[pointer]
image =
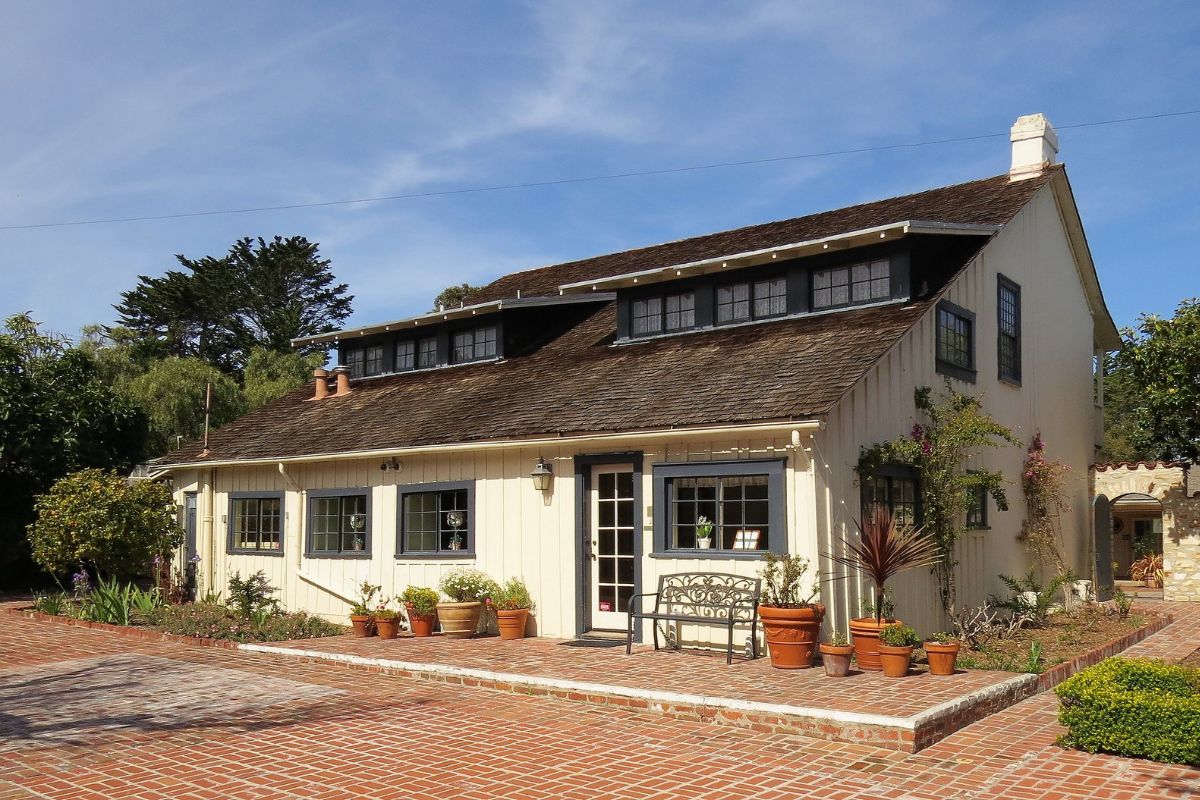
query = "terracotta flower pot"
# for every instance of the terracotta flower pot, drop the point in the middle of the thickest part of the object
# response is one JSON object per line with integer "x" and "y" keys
{"x": 460, "y": 620}
{"x": 941, "y": 657}
{"x": 836, "y": 660}
{"x": 387, "y": 628}
{"x": 511, "y": 622}
{"x": 895, "y": 660}
{"x": 420, "y": 624}
{"x": 865, "y": 633}
{"x": 362, "y": 625}
{"x": 792, "y": 634}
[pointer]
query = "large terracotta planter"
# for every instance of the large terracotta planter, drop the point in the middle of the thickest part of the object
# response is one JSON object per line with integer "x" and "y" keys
{"x": 361, "y": 625}
{"x": 511, "y": 622}
{"x": 420, "y": 624}
{"x": 941, "y": 657}
{"x": 792, "y": 634}
{"x": 895, "y": 660}
{"x": 460, "y": 620}
{"x": 387, "y": 628}
{"x": 865, "y": 633}
{"x": 836, "y": 660}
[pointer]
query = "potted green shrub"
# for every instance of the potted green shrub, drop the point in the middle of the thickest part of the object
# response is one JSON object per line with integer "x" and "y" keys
{"x": 882, "y": 550}
{"x": 836, "y": 654}
{"x": 896, "y": 643}
{"x": 466, "y": 589}
{"x": 791, "y": 619}
{"x": 704, "y": 531}
{"x": 362, "y": 608}
{"x": 511, "y": 603}
{"x": 421, "y": 603}
{"x": 387, "y": 620}
{"x": 941, "y": 650}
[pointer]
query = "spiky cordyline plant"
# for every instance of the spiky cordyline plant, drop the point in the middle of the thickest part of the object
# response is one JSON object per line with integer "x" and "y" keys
{"x": 884, "y": 550}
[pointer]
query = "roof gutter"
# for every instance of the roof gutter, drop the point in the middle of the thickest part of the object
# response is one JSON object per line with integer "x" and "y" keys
{"x": 808, "y": 426}
{"x": 857, "y": 238}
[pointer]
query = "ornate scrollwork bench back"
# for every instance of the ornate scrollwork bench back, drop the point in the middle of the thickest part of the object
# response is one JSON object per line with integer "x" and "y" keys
{"x": 701, "y": 597}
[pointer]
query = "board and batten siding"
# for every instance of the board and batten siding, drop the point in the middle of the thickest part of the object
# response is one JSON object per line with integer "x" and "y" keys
{"x": 1055, "y": 397}
{"x": 518, "y": 530}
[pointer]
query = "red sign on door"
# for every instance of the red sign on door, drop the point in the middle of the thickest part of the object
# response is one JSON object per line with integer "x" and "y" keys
{"x": 606, "y": 605}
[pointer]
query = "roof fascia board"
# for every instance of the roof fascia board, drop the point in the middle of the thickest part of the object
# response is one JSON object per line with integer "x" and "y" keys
{"x": 764, "y": 255}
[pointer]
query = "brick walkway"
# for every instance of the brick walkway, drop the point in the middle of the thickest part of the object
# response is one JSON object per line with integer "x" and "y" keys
{"x": 86, "y": 714}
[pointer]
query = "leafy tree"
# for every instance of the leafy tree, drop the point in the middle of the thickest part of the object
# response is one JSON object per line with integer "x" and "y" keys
{"x": 956, "y": 427}
{"x": 271, "y": 374}
{"x": 1159, "y": 369}
{"x": 172, "y": 394}
{"x": 1121, "y": 427}
{"x": 454, "y": 295}
{"x": 260, "y": 294}
{"x": 98, "y": 519}
{"x": 56, "y": 415}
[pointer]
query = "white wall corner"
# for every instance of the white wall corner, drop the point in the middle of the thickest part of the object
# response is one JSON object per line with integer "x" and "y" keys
{"x": 1034, "y": 146}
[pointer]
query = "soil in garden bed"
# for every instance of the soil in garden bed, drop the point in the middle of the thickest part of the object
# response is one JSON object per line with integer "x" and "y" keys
{"x": 1193, "y": 660}
{"x": 1064, "y": 636}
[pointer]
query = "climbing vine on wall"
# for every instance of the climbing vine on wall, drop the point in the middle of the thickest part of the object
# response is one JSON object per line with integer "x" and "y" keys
{"x": 1043, "y": 482}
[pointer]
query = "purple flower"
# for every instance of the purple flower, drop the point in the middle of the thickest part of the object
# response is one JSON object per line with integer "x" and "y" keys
{"x": 926, "y": 447}
{"x": 157, "y": 561}
{"x": 918, "y": 433}
{"x": 195, "y": 559}
{"x": 81, "y": 582}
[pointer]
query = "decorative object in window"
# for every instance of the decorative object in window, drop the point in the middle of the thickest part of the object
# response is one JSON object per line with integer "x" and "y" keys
{"x": 338, "y": 524}
{"x": 955, "y": 342}
{"x": 255, "y": 523}
{"x": 437, "y": 521}
{"x": 1008, "y": 344}
{"x": 852, "y": 284}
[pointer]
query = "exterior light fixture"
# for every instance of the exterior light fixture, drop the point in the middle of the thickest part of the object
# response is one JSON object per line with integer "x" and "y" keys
{"x": 542, "y": 475}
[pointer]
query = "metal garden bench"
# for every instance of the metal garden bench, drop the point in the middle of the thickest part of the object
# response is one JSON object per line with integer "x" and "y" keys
{"x": 706, "y": 598}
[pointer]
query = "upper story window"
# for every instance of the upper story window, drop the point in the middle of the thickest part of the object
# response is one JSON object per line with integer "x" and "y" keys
{"x": 256, "y": 523}
{"x": 1008, "y": 343}
{"x": 852, "y": 284}
{"x": 895, "y": 489}
{"x": 977, "y": 511}
{"x": 373, "y": 360}
{"x": 356, "y": 360}
{"x": 475, "y": 344}
{"x": 955, "y": 341}
{"x": 427, "y": 352}
{"x": 741, "y": 302}
{"x": 672, "y": 312}
{"x": 406, "y": 355}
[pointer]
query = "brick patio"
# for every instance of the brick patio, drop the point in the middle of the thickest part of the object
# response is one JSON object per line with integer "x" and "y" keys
{"x": 152, "y": 720}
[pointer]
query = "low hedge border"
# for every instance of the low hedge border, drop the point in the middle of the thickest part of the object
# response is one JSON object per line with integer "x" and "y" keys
{"x": 128, "y": 632}
{"x": 1134, "y": 707}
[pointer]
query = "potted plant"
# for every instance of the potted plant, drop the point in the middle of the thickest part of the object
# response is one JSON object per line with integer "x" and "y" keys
{"x": 882, "y": 550}
{"x": 941, "y": 650}
{"x": 360, "y": 610}
{"x": 1148, "y": 569}
{"x": 790, "y": 618}
{"x": 511, "y": 603}
{"x": 421, "y": 604}
{"x": 387, "y": 621}
{"x": 704, "y": 531}
{"x": 466, "y": 589}
{"x": 896, "y": 643}
{"x": 835, "y": 655}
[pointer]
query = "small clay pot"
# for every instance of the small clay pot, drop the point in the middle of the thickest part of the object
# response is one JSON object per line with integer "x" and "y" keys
{"x": 511, "y": 622}
{"x": 387, "y": 628}
{"x": 836, "y": 660}
{"x": 941, "y": 657}
{"x": 895, "y": 660}
{"x": 792, "y": 634}
{"x": 421, "y": 624}
{"x": 362, "y": 624}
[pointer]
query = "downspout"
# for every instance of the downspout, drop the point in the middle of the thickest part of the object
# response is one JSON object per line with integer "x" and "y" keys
{"x": 298, "y": 547}
{"x": 207, "y": 528}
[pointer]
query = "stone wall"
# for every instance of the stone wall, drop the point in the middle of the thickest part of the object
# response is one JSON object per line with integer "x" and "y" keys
{"x": 1168, "y": 483}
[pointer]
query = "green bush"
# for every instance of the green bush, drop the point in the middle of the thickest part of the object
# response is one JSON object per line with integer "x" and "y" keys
{"x": 1144, "y": 709}
{"x": 253, "y": 595}
{"x": 214, "y": 621}
{"x": 899, "y": 636}
{"x": 466, "y": 585}
{"x": 422, "y": 600}
{"x": 512, "y": 595}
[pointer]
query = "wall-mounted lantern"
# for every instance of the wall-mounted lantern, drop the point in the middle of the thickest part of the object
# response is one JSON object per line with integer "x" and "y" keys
{"x": 542, "y": 475}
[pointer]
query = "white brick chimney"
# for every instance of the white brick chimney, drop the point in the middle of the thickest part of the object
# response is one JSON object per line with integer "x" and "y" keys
{"x": 1034, "y": 146}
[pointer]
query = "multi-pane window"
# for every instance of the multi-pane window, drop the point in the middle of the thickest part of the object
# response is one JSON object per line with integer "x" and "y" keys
{"x": 1008, "y": 296}
{"x": 373, "y": 360}
{"x": 646, "y": 316}
{"x": 255, "y": 523}
{"x": 740, "y": 302}
{"x": 435, "y": 521}
{"x": 852, "y": 284}
{"x": 955, "y": 341}
{"x": 680, "y": 311}
{"x": 475, "y": 344}
{"x": 338, "y": 524}
{"x": 406, "y": 355}
{"x": 355, "y": 359}
{"x": 896, "y": 493}
{"x": 736, "y": 506}
{"x": 427, "y": 352}
{"x": 977, "y": 511}
{"x": 673, "y": 312}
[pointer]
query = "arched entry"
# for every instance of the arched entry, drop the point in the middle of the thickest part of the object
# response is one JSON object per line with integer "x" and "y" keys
{"x": 1137, "y": 531}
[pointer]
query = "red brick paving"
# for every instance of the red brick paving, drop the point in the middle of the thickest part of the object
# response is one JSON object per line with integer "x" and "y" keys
{"x": 378, "y": 736}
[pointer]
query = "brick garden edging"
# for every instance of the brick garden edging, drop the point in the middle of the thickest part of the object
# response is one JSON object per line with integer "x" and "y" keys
{"x": 1060, "y": 672}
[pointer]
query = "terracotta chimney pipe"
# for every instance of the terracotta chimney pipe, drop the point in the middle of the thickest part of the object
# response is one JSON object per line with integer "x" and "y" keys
{"x": 320, "y": 384}
{"x": 343, "y": 381}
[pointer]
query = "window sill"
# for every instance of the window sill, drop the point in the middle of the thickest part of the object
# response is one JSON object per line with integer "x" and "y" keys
{"x": 1013, "y": 382}
{"x": 232, "y": 551}
{"x": 453, "y": 555}
{"x": 363, "y": 555}
{"x": 714, "y": 555}
{"x": 956, "y": 372}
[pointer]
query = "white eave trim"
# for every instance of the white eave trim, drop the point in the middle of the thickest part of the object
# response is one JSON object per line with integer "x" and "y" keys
{"x": 840, "y": 241}
{"x": 459, "y": 312}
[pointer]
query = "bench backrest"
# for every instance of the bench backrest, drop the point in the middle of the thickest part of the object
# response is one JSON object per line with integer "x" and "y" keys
{"x": 708, "y": 594}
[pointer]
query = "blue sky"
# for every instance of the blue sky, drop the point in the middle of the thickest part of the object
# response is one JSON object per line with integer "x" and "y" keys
{"x": 126, "y": 109}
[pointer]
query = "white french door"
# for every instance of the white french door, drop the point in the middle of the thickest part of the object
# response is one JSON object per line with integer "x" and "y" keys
{"x": 611, "y": 541}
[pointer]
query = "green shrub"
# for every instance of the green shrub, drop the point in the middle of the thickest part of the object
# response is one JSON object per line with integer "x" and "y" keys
{"x": 252, "y": 595}
{"x": 109, "y": 602}
{"x": 513, "y": 594}
{"x": 1144, "y": 709}
{"x": 899, "y": 636}
{"x": 466, "y": 585}
{"x": 213, "y": 621}
{"x": 423, "y": 601}
{"x": 54, "y": 603}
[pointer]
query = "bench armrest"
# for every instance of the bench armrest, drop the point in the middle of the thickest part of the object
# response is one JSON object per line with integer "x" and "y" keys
{"x": 633, "y": 599}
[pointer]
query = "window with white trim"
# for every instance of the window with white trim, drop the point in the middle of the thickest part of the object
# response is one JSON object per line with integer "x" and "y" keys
{"x": 852, "y": 284}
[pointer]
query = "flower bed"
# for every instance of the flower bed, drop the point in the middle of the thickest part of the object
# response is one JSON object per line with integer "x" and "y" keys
{"x": 212, "y": 621}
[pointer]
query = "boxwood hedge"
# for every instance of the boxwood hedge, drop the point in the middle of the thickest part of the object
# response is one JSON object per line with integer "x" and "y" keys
{"x": 1133, "y": 707}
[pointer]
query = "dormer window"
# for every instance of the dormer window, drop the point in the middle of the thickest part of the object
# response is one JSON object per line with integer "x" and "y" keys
{"x": 742, "y": 302}
{"x": 406, "y": 355}
{"x": 474, "y": 344}
{"x": 673, "y": 312}
{"x": 852, "y": 284}
{"x": 355, "y": 359}
{"x": 373, "y": 360}
{"x": 427, "y": 352}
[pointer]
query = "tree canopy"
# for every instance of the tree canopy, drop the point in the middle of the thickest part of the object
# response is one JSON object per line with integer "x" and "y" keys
{"x": 453, "y": 295}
